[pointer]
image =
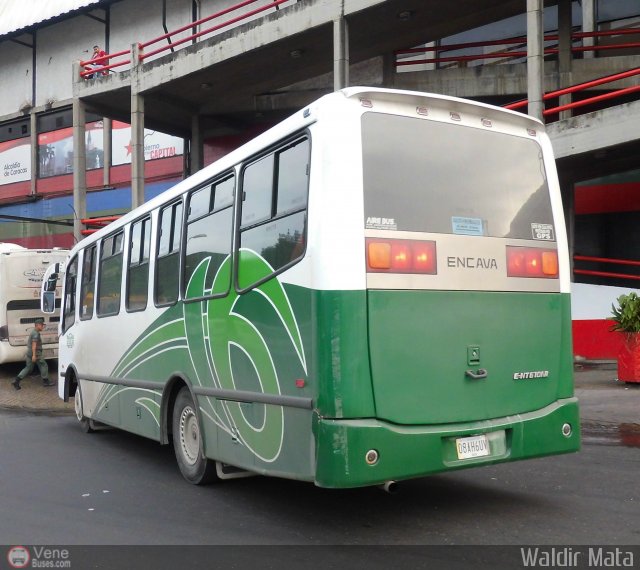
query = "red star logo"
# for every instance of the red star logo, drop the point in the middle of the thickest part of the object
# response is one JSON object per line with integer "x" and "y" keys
{"x": 128, "y": 147}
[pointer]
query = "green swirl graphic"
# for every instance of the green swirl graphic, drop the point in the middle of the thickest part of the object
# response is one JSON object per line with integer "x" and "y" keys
{"x": 213, "y": 327}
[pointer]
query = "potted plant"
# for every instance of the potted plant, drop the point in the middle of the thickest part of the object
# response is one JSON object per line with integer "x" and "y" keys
{"x": 626, "y": 319}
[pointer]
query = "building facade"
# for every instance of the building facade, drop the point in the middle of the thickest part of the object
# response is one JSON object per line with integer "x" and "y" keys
{"x": 188, "y": 80}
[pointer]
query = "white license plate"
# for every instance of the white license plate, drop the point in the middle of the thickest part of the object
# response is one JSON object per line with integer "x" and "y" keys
{"x": 474, "y": 446}
{"x": 50, "y": 353}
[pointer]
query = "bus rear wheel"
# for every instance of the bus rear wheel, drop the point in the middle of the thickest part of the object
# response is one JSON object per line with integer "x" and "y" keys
{"x": 187, "y": 442}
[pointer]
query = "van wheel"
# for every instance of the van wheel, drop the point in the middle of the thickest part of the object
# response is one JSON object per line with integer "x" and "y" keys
{"x": 187, "y": 442}
{"x": 85, "y": 423}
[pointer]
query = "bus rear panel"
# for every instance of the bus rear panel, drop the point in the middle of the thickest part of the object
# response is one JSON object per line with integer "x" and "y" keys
{"x": 467, "y": 310}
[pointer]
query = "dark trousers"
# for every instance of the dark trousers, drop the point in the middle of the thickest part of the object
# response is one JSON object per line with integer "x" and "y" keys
{"x": 40, "y": 362}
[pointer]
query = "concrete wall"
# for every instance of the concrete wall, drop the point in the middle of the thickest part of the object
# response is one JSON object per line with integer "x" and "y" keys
{"x": 59, "y": 45}
{"x": 57, "y": 48}
{"x": 15, "y": 76}
{"x": 141, "y": 20}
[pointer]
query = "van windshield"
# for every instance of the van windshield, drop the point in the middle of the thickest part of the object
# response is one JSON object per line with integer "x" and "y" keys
{"x": 428, "y": 176}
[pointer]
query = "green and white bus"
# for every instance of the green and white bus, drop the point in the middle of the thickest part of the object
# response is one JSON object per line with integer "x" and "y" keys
{"x": 375, "y": 289}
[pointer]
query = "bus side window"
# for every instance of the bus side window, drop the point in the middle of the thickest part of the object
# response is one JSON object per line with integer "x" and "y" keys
{"x": 110, "y": 275}
{"x": 69, "y": 307}
{"x": 138, "y": 271}
{"x": 168, "y": 260}
{"x": 274, "y": 213}
{"x": 88, "y": 281}
{"x": 209, "y": 227}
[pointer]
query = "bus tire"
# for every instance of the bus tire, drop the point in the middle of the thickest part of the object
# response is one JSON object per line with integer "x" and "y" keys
{"x": 187, "y": 442}
{"x": 85, "y": 423}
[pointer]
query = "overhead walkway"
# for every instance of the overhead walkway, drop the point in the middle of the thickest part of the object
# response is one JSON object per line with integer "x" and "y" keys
{"x": 248, "y": 54}
{"x": 236, "y": 67}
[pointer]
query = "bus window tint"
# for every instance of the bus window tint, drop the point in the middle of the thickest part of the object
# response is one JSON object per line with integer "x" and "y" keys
{"x": 69, "y": 309}
{"x": 138, "y": 276}
{"x": 258, "y": 191}
{"x": 280, "y": 238}
{"x": 446, "y": 178}
{"x": 279, "y": 242}
{"x": 168, "y": 262}
{"x": 110, "y": 276}
{"x": 292, "y": 177}
{"x": 87, "y": 287}
{"x": 199, "y": 203}
{"x": 209, "y": 236}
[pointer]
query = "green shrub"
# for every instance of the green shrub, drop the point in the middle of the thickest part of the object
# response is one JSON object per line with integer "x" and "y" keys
{"x": 626, "y": 316}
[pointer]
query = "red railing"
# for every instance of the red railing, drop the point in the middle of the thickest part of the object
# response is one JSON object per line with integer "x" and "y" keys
{"x": 606, "y": 273}
{"x": 95, "y": 224}
{"x": 93, "y": 67}
{"x": 273, "y": 4}
{"x": 510, "y": 54}
{"x": 97, "y": 69}
{"x": 581, "y": 87}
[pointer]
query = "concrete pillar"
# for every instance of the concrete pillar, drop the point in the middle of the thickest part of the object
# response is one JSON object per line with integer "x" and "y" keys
{"x": 589, "y": 22}
{"x": 567, "y": 190}
{"x": 535, "y": 57}
{"x": 196, "y": 147}
{"x": 108, "y": 150}
{"x": 389, "y": 70}
{"x": 33, "y": 129}
{"x": 340, "y": 54}
{"x": 79, "y": 167}
{"x": 137, "y": 133}
{"x": 564, "y": 57}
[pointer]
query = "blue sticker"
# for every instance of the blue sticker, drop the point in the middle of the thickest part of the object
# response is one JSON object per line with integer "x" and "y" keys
{"x": 467, "y": 226}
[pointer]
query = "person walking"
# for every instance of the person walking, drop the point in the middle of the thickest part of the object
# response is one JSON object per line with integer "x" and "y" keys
{"x": 34, "y": 357}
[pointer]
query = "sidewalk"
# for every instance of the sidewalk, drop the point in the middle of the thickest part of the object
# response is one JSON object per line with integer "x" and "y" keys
{"x": 605, "y": 403}
{"x": 33, "y": 397}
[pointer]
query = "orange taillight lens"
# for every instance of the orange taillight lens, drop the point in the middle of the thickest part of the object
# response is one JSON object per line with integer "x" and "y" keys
{"x": 550, "y": 263}
{"x": 401, "y": 256}
{"x": 379, "y": 255}
{"x": 532, "y": 262}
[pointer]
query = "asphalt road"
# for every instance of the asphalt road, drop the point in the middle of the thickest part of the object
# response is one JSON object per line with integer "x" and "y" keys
{"x": 62, "y": 486}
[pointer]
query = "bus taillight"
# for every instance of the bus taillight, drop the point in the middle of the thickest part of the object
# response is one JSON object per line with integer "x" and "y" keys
{"x": 401, "y": 256}
{"x": 532, "y": 262}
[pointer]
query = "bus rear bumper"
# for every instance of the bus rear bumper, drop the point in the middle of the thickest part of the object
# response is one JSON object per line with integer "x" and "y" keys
{"x": 413, "y": 451}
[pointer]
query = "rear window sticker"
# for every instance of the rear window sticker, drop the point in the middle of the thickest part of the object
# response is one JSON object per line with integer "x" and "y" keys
{"x": 375, "y": 223}
{"x": 467, "y": 226}
{"x": 542, "y": 232}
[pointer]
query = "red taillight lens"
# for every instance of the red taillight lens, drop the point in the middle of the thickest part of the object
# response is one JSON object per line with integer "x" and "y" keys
{"x": 401, "y": 256}
{"x": 532, "y": 262}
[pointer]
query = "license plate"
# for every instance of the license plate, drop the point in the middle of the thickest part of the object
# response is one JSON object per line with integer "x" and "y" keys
{"x": 474, "y": 446}
{"x": 50, "y": 353}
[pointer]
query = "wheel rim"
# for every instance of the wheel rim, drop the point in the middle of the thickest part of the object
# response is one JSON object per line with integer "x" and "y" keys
{"x": 189, "y": 435}
{"x": 77, "y": 404}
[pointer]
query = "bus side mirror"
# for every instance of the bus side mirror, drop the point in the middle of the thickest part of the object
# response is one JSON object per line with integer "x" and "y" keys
{"x": 51, "y": 284}
{"x": 48, "y": 291}
{"x": 48, "y": 302}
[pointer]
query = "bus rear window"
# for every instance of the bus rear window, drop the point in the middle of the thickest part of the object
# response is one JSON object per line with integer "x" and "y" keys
{"x": 427, "y": 176}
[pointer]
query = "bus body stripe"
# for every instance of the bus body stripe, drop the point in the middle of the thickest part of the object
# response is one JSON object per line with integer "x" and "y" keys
{"x": 218, "y": 393}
